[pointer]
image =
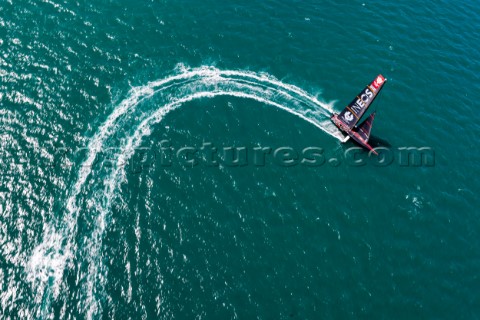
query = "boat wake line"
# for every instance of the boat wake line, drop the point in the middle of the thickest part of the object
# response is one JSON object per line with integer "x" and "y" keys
{"x": 93, "y": 192}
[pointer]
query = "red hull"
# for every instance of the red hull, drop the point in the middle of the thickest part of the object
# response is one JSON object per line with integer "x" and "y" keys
{"x": 354, "y": 135}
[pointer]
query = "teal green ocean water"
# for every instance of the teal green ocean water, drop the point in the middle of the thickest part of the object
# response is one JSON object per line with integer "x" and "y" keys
{"x": 99, "y": 218}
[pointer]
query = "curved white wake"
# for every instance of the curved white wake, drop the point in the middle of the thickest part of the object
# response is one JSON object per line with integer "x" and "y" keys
{"x": 130, "y": 122}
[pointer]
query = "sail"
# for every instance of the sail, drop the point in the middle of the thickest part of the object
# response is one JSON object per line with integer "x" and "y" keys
{"x": 365, "y": 127}
{"x": 355, "y": 110}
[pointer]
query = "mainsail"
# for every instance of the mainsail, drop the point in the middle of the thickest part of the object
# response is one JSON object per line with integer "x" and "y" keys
{"x": 355, "y": 110}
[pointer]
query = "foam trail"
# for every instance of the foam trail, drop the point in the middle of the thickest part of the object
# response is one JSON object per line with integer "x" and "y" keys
{"x": 156, "y": 117}
{"x": 128, "y": 150}
{"x": 58, "y": 248}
